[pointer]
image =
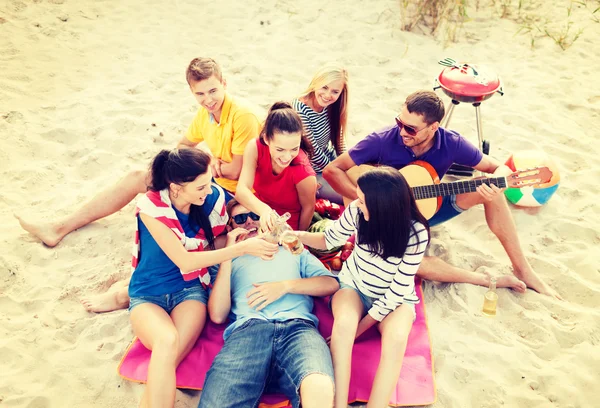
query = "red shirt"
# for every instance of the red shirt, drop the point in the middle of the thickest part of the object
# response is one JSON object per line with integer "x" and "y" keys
{"x": 279, "y": 191}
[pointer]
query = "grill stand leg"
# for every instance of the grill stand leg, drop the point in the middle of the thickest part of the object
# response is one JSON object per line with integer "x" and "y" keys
{"x": 482, "y": 143}
{"x": 456, "y": 169}
{"x": 479, "y": 127}
{"x": 446, "y": 120}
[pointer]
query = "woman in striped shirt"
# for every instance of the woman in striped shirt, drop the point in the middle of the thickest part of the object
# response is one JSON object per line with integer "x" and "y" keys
{"x": 377, "y": 280}
{"x": 323, "y": 110}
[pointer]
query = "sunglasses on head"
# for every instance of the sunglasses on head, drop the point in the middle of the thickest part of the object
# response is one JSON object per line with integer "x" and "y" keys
{"x": 241, "y": 218}
{"x": 408, "y": 129}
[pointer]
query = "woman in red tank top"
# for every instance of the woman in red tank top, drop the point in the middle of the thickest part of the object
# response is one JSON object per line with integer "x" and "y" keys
{"x": 278, "y": 168}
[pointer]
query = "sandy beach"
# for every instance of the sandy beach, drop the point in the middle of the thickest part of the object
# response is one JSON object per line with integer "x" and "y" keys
{"x": 92, "y": 89}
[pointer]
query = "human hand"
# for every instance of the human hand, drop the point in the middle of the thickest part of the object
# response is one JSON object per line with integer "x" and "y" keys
{"x": 267, "y": 220}
{"x": 489, "y": 192}
{"x": 215, "y": 165}
{"x": 257, "y": 246}
{"x": 264, "y": 294}
{"x": 236, "y": 235}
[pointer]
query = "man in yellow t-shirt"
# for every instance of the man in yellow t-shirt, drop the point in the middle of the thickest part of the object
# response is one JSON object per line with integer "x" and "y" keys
{"x": 223, "y": 123}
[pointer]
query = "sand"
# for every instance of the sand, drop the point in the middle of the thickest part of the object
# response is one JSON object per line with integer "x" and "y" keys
{"x": 92, "y": 89}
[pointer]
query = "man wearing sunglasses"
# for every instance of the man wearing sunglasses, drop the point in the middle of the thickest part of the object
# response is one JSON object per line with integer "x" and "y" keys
{"x": 271, "y": 343}
{"x": 242, "y": 218}
{"x": 417, "y": 135}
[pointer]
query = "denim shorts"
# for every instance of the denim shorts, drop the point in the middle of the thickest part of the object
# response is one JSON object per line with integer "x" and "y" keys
{"x": 367, "y": 301}
{"x": 170, "y": 301}
{"x": 264, "y": 356}
{"x": 447, "y": 211}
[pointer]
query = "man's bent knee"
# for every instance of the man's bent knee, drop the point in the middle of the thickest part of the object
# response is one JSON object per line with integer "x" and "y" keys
{"x": 316, "y": 390}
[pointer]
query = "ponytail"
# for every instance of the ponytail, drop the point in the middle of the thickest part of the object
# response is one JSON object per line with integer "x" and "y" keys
{"x": 179, "y": 166}
{"x": 158, "y": 171}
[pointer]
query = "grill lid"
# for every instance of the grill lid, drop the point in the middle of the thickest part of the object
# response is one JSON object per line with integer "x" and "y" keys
{"x": 469, "y": 80}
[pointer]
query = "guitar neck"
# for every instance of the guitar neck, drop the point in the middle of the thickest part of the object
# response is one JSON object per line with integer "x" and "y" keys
{"x": 457, "y": 187}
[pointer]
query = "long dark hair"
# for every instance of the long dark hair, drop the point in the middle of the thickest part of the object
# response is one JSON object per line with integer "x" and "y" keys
{"x": 283, "y": 118}
{"x": 392, "y": 210}
{"x": 183, "y": 166}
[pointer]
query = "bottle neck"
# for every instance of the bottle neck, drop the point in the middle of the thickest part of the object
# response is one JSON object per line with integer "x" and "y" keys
{"x": 492, "y": 285}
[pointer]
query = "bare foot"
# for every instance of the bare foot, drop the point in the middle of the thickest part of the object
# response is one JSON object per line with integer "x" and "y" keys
{"x": 533, "y": 281}
{"x": 47, "y": 233}
{"x": 508, "y": 281}
{"x": 107, "y": 302}
{"x": 512, "y": 282}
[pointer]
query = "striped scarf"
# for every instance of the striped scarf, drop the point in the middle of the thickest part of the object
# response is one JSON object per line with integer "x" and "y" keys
{"x": 157, "y": 205}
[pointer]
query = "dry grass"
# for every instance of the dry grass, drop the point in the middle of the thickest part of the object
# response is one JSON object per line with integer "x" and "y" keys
{"x": 444, "y": 19}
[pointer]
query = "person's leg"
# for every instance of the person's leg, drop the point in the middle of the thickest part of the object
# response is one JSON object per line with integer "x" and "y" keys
{"x": 189, "y": 317}
{"x": 501, "y": 223}
{"x": 394, "y": 329}
{"x": 102, "y": 205}
{"x": 317, "y": 391}
{"x": 117, "y": 297}
{"x": 347, "y": 311}
{"x": 327, "y": 192}
{"x": 303, "y": 365}
{"x": 156, "y": 331}
{"x": 435, "y": 269}
{"x": 238, "y": 374}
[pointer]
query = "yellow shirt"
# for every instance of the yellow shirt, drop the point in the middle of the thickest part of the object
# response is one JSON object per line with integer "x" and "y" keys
{"x": 237, "y": 127}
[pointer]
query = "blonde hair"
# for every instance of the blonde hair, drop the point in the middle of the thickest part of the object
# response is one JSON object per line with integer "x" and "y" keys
{"x": 338, "y": 111}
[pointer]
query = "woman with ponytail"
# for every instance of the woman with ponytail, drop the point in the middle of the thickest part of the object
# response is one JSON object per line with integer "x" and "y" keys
{"x": 278, "y": 168}
{"x": 179, "y": 220}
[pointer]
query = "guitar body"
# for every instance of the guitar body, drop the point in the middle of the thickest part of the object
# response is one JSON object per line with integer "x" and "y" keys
{"x": 418, "y": 173}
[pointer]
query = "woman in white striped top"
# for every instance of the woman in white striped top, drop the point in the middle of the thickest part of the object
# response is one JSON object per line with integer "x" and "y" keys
{"x": 323, "y": 109}
{"x": 377, "y": 280}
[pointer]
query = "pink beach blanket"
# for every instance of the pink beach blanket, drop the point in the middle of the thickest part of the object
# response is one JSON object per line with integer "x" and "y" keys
{"x": 415, "y": 386}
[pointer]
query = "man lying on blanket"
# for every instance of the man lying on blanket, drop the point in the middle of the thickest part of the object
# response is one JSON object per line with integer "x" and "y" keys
{"x": 271, "y": 343}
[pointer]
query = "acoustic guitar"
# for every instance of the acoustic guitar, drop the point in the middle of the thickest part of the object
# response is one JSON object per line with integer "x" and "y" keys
{"x": 428, "y": 191}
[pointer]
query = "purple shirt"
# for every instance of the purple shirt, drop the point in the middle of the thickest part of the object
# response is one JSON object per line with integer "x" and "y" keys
{"x": 386, "y": 147}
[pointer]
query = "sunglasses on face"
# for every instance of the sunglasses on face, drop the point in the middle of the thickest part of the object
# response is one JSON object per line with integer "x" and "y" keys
{"x": 408, "y": 129}
{"x": 241, "y": 218}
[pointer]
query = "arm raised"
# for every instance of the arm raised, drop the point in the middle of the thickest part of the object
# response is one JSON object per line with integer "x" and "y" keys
{"x": 190, "y": 261}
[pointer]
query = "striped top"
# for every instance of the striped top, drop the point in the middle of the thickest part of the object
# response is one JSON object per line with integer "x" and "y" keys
{"x": 390, "y": 281}
{"x": 318, "y": 131}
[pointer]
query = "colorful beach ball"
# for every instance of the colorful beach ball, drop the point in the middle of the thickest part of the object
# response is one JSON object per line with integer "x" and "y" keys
{"x": 529, "y": 196}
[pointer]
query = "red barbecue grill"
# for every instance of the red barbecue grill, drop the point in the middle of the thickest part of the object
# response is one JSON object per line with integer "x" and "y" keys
{"x": 469, "y": 84}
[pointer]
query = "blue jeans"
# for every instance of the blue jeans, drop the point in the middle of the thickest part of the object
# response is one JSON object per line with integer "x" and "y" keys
{"x": 170, "y": 301}
{"x": 264, "y": 356}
